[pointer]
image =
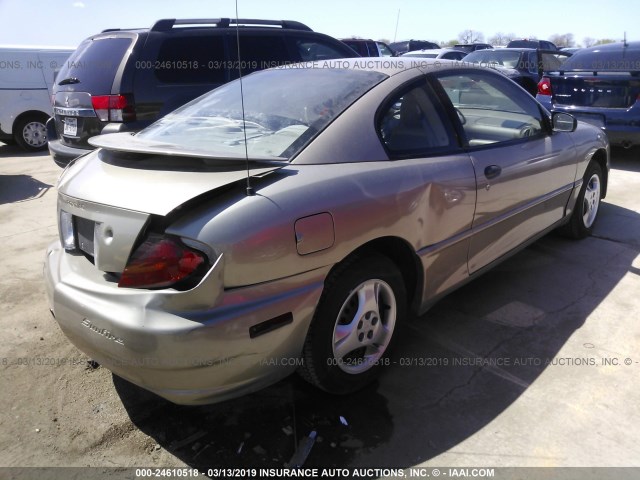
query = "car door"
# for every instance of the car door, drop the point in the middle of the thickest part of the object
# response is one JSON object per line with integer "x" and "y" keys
{"x": 524, "y": 171}
{"x": 419, "y": 136}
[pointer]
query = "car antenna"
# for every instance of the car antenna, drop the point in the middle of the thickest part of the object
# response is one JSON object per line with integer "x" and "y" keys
{"x": 250, "y": 191}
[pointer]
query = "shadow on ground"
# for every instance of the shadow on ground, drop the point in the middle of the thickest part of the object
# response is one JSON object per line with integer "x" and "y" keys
{"x": 15, "y": 151}
{"x": 625, "y": 159}
{"x": 454, "y": 370}
{"x": 19, "y": 188}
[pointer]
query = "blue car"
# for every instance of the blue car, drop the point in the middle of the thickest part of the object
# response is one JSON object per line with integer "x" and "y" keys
{"x": 599, "y": 85}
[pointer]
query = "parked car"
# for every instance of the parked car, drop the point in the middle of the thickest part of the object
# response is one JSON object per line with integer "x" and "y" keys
{"x": 571, "y": 50}
{"x": 599, "y": 85}
{"x": 242, "y": 237}
{"x": 368, "y": 47}
{"x": 123, "y": 80}
{"x": 26, "y": 81}
{"x": 471, "y": 47}
{"x": 410, "y": 45}
{"x": 524, "y": 66}
{"x": 440, "y": 53}
{"x": 532, "y": 43}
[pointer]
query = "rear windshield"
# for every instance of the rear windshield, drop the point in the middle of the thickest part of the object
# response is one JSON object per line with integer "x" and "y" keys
{"x": 94, "y": 64}
{"x": 283, "y": 109}
{"x": 504, "y": 58}
{"x": 613, "y": 57}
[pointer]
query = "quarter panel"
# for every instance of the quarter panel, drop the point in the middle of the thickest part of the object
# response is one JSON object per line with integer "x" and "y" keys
{"x": 423, "y": 201}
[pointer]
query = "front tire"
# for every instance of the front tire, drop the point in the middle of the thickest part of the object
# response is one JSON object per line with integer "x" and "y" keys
{"x": 585, "y": 212}
{"x": 30, "y": 132}
{"x": 352, "y": 329}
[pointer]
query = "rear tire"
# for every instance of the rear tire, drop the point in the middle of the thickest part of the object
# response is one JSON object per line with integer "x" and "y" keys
{"x": 585, "y": 212}
{"x": 30, "y": 132}
{"x": 351, "y": 331}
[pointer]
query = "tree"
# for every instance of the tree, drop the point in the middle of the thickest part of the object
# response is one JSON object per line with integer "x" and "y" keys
{"x": 450, "y": 43}
{"x": 588, "y": 41}
{"x": 470, "y": 36}
{"x": 604, "y": 41}
{"x": 562, "y": 40}
{"x": 501, "y": 38}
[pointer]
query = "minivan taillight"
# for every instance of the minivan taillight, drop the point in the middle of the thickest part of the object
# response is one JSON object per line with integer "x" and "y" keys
{"x": 114, "y": 108}
{"x": 544, "y": 86}
{"x": 159, "y": 262}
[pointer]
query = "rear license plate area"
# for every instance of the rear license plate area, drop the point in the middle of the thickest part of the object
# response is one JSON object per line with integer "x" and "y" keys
{"x": 70, "y": 126}
{"x": 85, "y": 233}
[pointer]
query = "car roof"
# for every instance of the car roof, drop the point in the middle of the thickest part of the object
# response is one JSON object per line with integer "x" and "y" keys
{"x": 435, "y": 50}
{"x": 510, "y": 49}
{"x": 168, "y": 24}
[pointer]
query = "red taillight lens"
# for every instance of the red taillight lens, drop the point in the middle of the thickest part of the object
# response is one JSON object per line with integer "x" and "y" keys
{"x": 160, "y": 262}
{"x": 114, "y": 108}
{"x": 544, "y": 86}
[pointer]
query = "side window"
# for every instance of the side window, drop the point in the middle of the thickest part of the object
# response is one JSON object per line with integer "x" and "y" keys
{"x": 384, "y": 50}
{"x": 552, "y": 61}
{"x": 412, "y": 123}
{"x": 532, "y": 62}
{"x": 491, "y": 109}
{"x": 191, "y": 60}
{"x": 257, "y": 52}
{"x": 370, "y": 49}
{"x": 453, "y": 56}
{"x": 311, "y": 50}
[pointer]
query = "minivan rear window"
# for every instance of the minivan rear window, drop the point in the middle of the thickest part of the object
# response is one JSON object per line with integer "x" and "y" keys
{"x": 94, "y": 63}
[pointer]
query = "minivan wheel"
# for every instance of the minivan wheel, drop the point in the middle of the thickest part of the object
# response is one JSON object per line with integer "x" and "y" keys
{"x": 585, "y": 212}
{"x": 351, "y": 332}
{"x": 30, "y": 133}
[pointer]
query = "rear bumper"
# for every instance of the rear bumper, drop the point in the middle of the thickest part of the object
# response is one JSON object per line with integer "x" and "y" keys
{"x": 192, "y": 347}
{"x": 61, "y": 154}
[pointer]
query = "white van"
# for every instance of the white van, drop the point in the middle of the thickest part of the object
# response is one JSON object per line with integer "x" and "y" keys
{"x": 26, "y": 80}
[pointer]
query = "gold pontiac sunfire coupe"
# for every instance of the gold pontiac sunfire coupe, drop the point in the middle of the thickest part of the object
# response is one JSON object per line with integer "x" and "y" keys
{"x": 239, "y": 238}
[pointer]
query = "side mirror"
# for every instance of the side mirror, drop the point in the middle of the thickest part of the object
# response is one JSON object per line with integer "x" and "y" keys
{"x": 563, "y": 122}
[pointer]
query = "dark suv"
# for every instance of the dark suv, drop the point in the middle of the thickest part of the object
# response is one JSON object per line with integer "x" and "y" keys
{"x": 123, "y": 80}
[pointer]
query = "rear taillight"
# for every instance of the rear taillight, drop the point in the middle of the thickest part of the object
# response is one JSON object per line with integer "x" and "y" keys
{"x": 544, "y": 86}
{"x": 114, "y": 108}
{"x": 161, "y": 261}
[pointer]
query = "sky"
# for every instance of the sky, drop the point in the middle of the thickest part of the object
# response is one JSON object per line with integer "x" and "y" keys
{"x": 68, "y": 22}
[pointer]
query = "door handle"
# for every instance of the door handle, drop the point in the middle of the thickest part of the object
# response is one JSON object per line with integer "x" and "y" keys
{"x": 492, "y": 171}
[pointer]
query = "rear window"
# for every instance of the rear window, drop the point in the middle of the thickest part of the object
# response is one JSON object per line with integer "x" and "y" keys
{"x": 313, "y": 49}
{"x": 503, "y": 58}
{"x": 283, "y": 109}
{"x": 94, "y": 64}
{"x": 612, "y": 57}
